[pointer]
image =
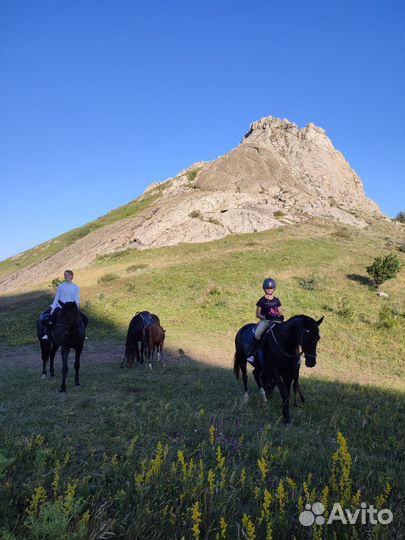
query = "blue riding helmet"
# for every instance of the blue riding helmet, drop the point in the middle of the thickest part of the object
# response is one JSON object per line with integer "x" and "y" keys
{"x": 269, "y": 283}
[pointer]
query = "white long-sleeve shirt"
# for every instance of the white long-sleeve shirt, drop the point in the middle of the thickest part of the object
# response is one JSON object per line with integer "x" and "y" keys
{"x": 67, "y": 292}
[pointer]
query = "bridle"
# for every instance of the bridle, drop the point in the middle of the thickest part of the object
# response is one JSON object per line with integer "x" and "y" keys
{"x": 298, "y": 355}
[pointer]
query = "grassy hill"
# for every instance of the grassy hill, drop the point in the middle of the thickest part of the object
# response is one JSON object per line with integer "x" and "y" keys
{"x": 132, "y": 453}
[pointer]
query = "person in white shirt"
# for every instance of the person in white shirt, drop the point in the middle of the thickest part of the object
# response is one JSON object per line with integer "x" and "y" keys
{"x": 66, "y": 292}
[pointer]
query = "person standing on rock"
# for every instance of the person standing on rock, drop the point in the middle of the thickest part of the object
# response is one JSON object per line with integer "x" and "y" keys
{"x": 66, "y": 292}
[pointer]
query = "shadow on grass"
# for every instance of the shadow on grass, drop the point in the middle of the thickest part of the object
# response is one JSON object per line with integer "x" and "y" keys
{"x": 363, "y": 280}
{"x": 19, "y": 313}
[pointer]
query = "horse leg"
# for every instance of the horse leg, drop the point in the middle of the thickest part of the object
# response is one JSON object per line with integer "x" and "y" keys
{"x": 258, "y": 379}
{"x": 65, "y": 354}
{"x": 297, "y": 390}
{"x": 285, "y": 396}
{"x": 45, "y": 347}
{"x": 151, "y": 356}
{"x": 160, "y": 354}
{"x": 242, "y": 365}
{"x": 78, "y": 352}
{"x": 54, "y": 348}
{"x": 269, "y": 387}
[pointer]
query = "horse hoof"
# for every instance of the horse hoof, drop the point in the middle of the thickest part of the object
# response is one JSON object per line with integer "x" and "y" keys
{"x": 62, "y": 390}
{"x": 44, "y": 376}
{"x": 287, "y": 422}
{"x": 78, "y": 385}
{"x": 246, "y": 398}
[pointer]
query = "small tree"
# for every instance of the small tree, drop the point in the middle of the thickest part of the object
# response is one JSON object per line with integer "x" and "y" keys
{"x": 383, "y": 268}
{"x": 400, "y": 217}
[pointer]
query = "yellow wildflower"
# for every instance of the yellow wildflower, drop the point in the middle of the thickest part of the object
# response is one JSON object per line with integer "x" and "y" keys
{"x": 249, "y": 527}
{"x": 196, "y": 518}
{"x": 85, "y": 518}
{"x": 267, "y": 500}
{"x": 211, "y": 481}
{"x": 224, "y": 527}
{"x": 69, "y": 498}
{"x": 281, "y": 495}
{"x": 212, "y": 431}
{"x": 38, "y": 498}
{"x": 263, "y": 466}
{"x": 56, "y": 480}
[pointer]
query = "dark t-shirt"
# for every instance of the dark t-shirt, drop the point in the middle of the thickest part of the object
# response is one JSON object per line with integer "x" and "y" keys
{"x": 269, "y": 307}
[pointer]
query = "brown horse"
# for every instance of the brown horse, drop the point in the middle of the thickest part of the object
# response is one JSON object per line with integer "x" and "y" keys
{"x": 153, "y": 337}
{"x": 139, "y": 321}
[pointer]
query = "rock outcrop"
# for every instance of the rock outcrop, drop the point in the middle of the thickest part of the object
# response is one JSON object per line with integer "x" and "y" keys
{"x": 278, "y": 174}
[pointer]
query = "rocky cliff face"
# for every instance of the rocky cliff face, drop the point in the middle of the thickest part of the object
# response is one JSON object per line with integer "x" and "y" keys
{"x": 278, "y": 174}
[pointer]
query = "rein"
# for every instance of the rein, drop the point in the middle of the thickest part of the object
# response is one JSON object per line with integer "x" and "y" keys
{"x": 283, "y": 352}
{"x": 290, "y": 355}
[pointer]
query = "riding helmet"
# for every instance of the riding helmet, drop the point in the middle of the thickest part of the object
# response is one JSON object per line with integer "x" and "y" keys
{"x": 269, "y": 283}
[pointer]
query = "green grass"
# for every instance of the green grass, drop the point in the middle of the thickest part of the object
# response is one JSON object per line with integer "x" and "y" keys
{"x": 49, "y": 248}
{"x": 110, "y": 430}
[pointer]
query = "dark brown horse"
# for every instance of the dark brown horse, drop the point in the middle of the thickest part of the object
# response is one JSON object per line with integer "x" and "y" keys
{"x": 281, "y": 346}
{"x": 153, "y": 337}
{"x": 134, "y": 337}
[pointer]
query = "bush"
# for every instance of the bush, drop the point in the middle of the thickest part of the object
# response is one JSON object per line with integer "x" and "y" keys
{"x": 195, "y": 214}
{"x": 191, "y": 175}
{"x": 383, "y": 268}
{"x": 55, "y": 283}
{"x": 309, "y": 283}
{"x": 400, "y": 217}
{"x": 105, "y": 278}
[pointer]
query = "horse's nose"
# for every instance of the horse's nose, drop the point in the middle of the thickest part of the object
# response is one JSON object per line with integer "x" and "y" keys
{"x": 310, "y": 360}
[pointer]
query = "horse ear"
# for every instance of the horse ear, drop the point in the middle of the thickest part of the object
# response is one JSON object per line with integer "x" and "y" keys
{"x": 320, "y": 321}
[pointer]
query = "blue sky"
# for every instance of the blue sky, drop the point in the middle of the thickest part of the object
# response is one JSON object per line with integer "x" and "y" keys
{"x": 100, "y": 98}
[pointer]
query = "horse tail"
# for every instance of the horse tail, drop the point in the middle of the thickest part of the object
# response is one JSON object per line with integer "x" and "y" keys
{"x": 236, "y": 358}
{"x": 236, "y": 366}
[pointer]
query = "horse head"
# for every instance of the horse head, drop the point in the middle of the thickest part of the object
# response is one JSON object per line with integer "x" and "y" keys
{"x": 309, "y": 339}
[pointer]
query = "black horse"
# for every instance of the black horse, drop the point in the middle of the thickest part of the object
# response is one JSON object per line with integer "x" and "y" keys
{"x": 134, "y": 337}
{"x": 281, "y": 346}
{"x": 67, "y": 332}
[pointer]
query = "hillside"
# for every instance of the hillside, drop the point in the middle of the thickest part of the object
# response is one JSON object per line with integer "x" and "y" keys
{"x": 279, "y": 175}
{"x": 136, "y": 450}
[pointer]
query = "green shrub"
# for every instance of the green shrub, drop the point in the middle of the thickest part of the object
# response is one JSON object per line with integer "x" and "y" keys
{"x": 195, "y": 214}
{"x": 400, "y": 217}
{"x": 191, "y": 175}
{"x": 383, "y": 268}
{"x": 309, "y": 283}
{"x": 54, "y": 284}
{"x": 105, "y": 278}
{"x": 278, "y": 214}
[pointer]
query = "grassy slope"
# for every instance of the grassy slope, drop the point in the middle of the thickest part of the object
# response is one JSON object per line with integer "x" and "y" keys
{"x": 47, "y": 249}
{"x": 203, "y": 294}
